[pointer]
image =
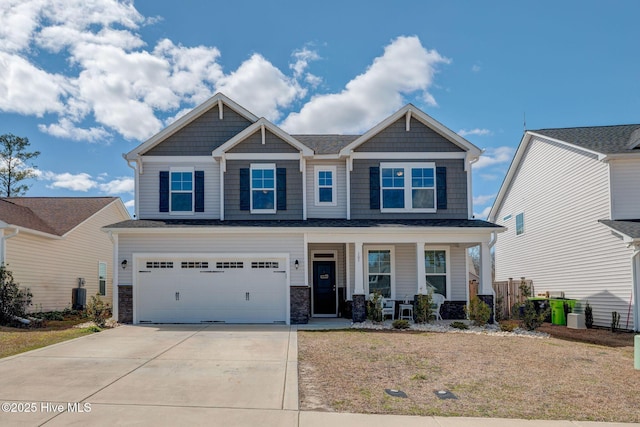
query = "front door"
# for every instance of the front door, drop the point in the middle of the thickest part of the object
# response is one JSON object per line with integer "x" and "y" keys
{"x": 324, "y": 288}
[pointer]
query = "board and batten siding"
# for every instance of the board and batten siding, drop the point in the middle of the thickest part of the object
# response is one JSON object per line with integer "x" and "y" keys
{"x": 50, "y": 268}
{"x": 211, "y": 242}
{"x": 563, "y": 192}
{"x": 340, "y": 181}
{"x": 149, "y": 187}
{"x": 625, "y": 189}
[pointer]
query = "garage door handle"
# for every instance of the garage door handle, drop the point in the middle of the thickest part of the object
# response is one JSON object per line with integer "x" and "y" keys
{"x": 246, "y": 296}
{"x": 177, "y": 296}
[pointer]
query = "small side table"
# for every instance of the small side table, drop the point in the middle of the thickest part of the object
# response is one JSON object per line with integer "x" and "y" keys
{"x": 405, "y": 308}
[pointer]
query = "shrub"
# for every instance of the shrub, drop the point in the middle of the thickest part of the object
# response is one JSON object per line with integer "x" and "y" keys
{"x": 98, "y": 311}
{"x": 400, "y": 324}
{"x": 507, "y": 327}
{"x": 13, "y": 300}
{"x": 531, "y": 318}
{"x": 588, "y": 316}
{"x": 478, "y": 312}
{"x": 423, "y": 308}
{"x": 499, "y": 308}
{"x": 374, "y": 307}
{"x": 459, "y": 325}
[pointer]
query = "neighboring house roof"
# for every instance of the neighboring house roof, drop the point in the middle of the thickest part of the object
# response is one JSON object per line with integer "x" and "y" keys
{"x": 353, "y": 223}
{"x": 629, "y": 228}
{"x": 605, "y": 141}
{"x": 51, "y": 215}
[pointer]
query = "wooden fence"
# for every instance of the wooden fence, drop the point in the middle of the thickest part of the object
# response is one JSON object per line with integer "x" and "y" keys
{"x": 510, "y": 292}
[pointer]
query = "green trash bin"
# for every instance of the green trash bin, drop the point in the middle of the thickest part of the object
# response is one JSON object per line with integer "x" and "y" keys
{"x": 557, "y": 310}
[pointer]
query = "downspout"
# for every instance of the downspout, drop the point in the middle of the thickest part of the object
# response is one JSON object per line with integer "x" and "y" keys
{"x": 635, "y": 276}
{"x": 3, "y": 245}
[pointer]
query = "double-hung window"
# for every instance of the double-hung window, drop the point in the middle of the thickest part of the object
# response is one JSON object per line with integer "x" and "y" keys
{"x": 263, "y": 188}
{"x": 102, "y": 278}
{"x": 408, "y": 187}
{"x": 325, "y": 188}
{"x": 435, "y": 268}
{"x": 181, "y": 185}
{"x": 380, "y": 271}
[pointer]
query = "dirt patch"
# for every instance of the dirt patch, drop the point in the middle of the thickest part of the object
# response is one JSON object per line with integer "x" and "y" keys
{"x": 592, "y": 336}
{"x": 491, "y": 376}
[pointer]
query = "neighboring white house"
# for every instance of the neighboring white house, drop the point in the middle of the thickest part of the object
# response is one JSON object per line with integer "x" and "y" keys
{"x": 49, "y": 243}
{"x": 571, "y": 203}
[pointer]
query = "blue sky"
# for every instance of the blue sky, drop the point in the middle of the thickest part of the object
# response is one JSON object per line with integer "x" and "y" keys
{"x": 88, "y": 82}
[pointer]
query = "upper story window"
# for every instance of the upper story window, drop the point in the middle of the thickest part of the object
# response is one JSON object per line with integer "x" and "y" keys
{"x": 181, "y": 190}
{"x": 325, "y": 186}
{"x": 263, "y": 188}
{"x": 519, "y": 224}
{"x": 408, "y": 187}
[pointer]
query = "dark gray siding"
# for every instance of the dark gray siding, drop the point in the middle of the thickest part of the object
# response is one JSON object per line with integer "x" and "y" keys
{"x": 273, "y": 144}
{"x": 232, "y": 191}
{"x": 395, "y": 138}
{"x": 456, "y": 192}
{"x": 203, "y": 135}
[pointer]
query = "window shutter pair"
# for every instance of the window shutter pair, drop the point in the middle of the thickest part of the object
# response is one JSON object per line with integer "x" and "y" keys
{"x": 374, "y": 187}
{"x": 198, "y": 192}
{"x": 281, "y": 189}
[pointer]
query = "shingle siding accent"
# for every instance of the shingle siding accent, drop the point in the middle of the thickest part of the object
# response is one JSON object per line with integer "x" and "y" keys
{"x": 457, "y": 206}
{"x": 338, "y": 211}
{"x": 232, "y": 191}
{"x": 203, "y": 135}
{"x": 395, "y": 138}
{"x": 254, "y": 145}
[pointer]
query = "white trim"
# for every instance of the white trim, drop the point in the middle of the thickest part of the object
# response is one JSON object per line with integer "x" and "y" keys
{"x": 422, "y": 155}
{"x": 422, "y": 282}
{"x": 316, "y": 185}
{"x": 191, "y": 170}
{"x": 349, "y": 168}
{"x": 392, "y": 250}
{"x": 263, "y": 166}
{"x": 447, "y": 260}
{"x": 223, "y": 169}
{"x": 305, "y": 243}
{"x": 408, "y": 187}
{"x": 335, "y": 263}
{"x": 303, "y": 171}
{"x": 262, "y": 156}
{"x": 347, "y": 262}
{"x": 115, "y": 283}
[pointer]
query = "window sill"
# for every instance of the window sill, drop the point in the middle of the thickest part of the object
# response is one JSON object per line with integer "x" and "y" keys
{"x": 263, "y": 211}
{"x": 180, "y": 213}
{"x": 391, "y": 210}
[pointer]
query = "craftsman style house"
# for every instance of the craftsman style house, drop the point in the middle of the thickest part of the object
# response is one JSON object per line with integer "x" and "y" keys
{"x": 239, "y": 221}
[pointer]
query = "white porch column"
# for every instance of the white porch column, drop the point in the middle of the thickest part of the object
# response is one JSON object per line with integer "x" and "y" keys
{"x": 359, "y": 270}
{"x": 486, "y": 285}
{"x": 422, "y": 279}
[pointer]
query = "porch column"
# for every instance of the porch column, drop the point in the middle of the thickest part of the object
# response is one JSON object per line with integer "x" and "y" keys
{"x": 422, "y": 279}
{"x": 486, "y": 285}
{"x": 359, "y": 310}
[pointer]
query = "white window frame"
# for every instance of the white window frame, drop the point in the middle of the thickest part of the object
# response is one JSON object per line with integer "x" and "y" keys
{"x": 100, "y": 263}
{"x": 408, "y": 199}
{"x": 264, "y": 166}
{"x": 317, "y": 170}
{"x": 368, "y": 249}
{"x": 193, "y": 190}
{"x": 520, "y": 232}
{"x": 447, "y": 260}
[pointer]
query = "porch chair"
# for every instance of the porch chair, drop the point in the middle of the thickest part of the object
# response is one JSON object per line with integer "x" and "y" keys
{"x": 436, "y": 302}
{"x": 388, "y": 309}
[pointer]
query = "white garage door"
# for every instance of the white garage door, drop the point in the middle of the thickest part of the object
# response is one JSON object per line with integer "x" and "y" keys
{"x": 209, "y": 289}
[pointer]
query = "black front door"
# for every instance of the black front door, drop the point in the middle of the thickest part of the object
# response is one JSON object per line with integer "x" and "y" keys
{"x": 324, "y": 287}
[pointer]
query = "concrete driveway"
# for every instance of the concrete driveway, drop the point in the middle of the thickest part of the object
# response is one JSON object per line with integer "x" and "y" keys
{"x": 157, "y": 375}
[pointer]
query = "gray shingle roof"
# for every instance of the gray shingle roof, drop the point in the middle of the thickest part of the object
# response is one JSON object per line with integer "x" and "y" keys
{"x": 630, "y": 227}
{"x": 326, "y": 144}
{"x": 602, "y": 139}
{"x": 52, "y": 215}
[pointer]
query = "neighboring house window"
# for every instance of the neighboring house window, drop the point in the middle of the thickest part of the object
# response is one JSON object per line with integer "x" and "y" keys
{"x": 325, "y": 185}
{"x": 102, "y": 278}
{"x": 263, "y": 188}
{"x": 435, "y": 268}
{"x": 408, "y": 187}
{"x": 519, "y": 224}
{"x": 380, "y": 272}
{"x": 181, "y": 190}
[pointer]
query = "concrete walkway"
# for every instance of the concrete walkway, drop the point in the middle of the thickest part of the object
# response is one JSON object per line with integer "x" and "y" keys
{"x": 214, "y": 375}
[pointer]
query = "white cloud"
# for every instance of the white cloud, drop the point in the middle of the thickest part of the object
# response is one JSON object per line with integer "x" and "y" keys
{"x": 494, "y": 156}
{"x": 479, "y": 132}
{"x": 483, "y": 199}
{"x": 406, "y": 67}
{"x": 66, "y": 129}
{"x": 118, "y": 186}
{"x": 484, "y": 214}
{"x": 476, "y": 68}
{"x": 130, "y": 204}
{"x": 84, "y": 182}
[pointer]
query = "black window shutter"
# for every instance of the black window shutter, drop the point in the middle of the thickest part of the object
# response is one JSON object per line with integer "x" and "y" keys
{"x": 245, "y": 190}
{"x": 281, "y": 188}
{"x": 199, "y": 191}
{"x": 164, "y": 191}
{"x": 374, "y": 187}
{"x": 441, "y": 187}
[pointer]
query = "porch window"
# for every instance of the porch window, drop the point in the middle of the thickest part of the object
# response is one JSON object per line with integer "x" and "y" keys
{"x": 102, "y": 278}
{"x": 435, "y": 267}
{"x": 263, "y": 188}
{"x": 408, "y": 187}
{"x": 181, "y": 190}
{"x": 380, "y": 269}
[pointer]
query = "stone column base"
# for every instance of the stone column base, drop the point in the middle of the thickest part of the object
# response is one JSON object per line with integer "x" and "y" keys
{"x": 125, "y": 304}
{"x": 359, "y": 309}
{"x": 300, "y": 297}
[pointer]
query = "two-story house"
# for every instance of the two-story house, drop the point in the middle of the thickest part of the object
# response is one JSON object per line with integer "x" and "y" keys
{"x": 239, "y": 221}
{"x": 571, "y": 204}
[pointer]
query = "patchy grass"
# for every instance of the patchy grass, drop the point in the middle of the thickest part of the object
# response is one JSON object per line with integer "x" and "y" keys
{"x": 492, "y": 376}
{"x": 18, "y": 340}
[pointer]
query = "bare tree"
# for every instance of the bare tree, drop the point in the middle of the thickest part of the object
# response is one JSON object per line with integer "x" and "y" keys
{"x": 15, "y": 165}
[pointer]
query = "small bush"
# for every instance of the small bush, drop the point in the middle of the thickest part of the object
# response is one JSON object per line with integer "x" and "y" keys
{"x": 423, "y": 308}
{"x": 400, "y": 324}
{"x": 93, "y": 329}
{"x": 374, "y": 307}
{"x": 459, "y": 325}
{"x": 588, "y": 316}
{"x": 13, "y": 300}
{"x": 98, "y": 311}
{"x": 499, "y": 308}
{"x": 507, "y": 327}
{"x": 531, "y": 319}
{"x": 478, "y": 312}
